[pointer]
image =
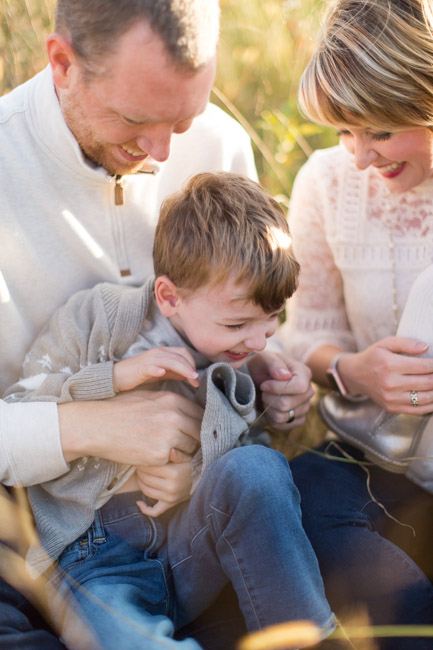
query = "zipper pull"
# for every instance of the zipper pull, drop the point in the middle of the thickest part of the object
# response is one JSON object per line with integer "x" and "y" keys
{"x": 118, "y": 191}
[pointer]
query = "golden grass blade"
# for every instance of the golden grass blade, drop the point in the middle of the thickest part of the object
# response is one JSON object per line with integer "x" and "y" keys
{"x": 297, "y": 634}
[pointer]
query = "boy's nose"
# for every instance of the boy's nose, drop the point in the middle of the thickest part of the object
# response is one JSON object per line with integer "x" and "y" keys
{"x": 256, "y": 341}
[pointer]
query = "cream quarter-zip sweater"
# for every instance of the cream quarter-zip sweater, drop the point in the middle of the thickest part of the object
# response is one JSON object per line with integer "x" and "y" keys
{"x": 61, "y": 231}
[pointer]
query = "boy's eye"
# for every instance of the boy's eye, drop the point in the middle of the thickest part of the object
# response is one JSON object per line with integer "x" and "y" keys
{"x": 235, "y": 327}
{"x": 341, "y": 132}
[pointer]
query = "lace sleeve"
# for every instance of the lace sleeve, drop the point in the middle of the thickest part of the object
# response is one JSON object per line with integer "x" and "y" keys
{"x": 316, "y": 314}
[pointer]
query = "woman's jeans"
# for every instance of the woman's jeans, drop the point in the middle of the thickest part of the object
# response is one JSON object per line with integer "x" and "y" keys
{"x": 138, "y": 579}
{"x": 369, "y": 561}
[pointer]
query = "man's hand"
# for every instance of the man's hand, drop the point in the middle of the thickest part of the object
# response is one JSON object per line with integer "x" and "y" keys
{"x": 168, "y": 485}
{"x": 285, "y": 387}
{"x": 135, "y": 428}
{"x": 156, "y": 363}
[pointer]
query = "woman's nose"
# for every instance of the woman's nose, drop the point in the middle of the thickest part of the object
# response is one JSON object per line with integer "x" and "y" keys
{"x": 364, "y": 153}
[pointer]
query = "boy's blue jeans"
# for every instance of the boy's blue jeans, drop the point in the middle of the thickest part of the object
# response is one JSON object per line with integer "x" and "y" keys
{"x": 138, "y": 579}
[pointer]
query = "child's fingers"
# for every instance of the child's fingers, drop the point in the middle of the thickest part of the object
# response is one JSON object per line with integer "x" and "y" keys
{"x": 182, "y": 352}
{"x": 173, "y": 371}
{"x": 178, "y": 369}
{"x": 154, "y": 511}
{"x": 174, "y": 362}
{"x": 170, "y": 483}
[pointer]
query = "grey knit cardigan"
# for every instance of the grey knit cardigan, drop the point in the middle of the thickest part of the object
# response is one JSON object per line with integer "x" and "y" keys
{"x": 72, "y": 359}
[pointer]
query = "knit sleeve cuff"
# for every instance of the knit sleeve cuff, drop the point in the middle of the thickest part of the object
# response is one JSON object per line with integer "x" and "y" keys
{"x": 92, "y": 382}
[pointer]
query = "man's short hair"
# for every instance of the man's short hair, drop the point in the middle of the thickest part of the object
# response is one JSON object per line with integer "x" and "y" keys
{"x": 188, "y": 28}
{"x": 222, "y": 226}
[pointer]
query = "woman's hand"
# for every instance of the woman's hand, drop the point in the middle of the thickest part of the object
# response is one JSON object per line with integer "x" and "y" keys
{"x": 388, "y": 371}
{"x": 285, "y": 387}
{"x": 168, "y": 485}
{"x": 155, "y": 364}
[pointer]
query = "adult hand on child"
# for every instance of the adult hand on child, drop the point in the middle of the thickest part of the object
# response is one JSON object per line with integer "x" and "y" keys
{"x": 167, "y": 485}
{"x": 285, "y": 387}
{"x": 135, "y": 428}
{"x": 154, "y": 364}
{"x": 388, "y": 371}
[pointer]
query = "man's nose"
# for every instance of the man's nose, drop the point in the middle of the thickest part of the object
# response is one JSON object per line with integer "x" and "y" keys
{"x": 156, "y": 141}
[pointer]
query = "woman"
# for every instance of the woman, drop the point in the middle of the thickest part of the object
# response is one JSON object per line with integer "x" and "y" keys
{"x": 361, "y": 218}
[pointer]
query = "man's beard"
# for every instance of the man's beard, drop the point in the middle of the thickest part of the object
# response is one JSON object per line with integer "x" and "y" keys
{"x": 97, "y": 152}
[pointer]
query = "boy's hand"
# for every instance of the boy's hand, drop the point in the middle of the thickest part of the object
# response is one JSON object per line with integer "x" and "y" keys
{"x": 157, "y": 363}
{"x": 285, "y": 387}
{"x": 168, "y": 485}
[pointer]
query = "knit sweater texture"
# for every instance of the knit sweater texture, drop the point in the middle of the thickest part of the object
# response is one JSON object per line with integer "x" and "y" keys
{"x": 351, "y": 236}
{"x": 61, "y": 231}
{"x": 79, "y": 345}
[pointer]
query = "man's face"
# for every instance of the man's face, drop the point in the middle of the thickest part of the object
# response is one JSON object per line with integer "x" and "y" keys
{"x": 126, "y": 116}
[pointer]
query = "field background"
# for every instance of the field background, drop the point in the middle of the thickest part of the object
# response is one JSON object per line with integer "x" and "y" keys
{"x": 264, "y": 47}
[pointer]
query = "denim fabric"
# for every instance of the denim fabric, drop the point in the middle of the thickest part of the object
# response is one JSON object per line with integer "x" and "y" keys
{"x": 220, "y": 626}
{"x": 365, "y": 556}
{"x": 138, "y": 579}
{"x": 21, "y": 627}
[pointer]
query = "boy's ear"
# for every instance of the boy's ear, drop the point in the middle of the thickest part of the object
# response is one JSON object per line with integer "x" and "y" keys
{"x": 167, "y": 296}
{"x": 61, "y": 57}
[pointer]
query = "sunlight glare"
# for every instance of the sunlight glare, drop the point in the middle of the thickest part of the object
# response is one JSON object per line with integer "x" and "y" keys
{"x": 82, "y": 233}
{"x": 278, "y": 238}
{"x": 5, "y": 296}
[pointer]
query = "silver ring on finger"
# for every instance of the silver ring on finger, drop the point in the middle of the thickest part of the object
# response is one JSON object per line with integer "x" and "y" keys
{"x": 292, "y": 416}
{"x": 414, "y": 398}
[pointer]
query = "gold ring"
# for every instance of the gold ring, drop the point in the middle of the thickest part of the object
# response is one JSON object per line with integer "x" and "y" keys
{"x": 291, "y": 416}
{"x": 414, "y": 397}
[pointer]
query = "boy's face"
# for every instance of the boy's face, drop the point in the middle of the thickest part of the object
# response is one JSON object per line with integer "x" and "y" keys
{"x": 218, "y": 322}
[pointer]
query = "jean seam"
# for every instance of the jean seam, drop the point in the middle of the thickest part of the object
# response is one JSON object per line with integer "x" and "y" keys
{"x": 233, "y": 552}
{"x": 247, "y": 590}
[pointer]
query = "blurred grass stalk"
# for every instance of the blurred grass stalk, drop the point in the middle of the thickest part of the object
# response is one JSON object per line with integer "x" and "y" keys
{"x": 18, "y": 532}
{"x": 263, "y": 50}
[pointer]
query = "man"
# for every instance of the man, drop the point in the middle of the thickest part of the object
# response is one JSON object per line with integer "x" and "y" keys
{"x": 90, "y": 147}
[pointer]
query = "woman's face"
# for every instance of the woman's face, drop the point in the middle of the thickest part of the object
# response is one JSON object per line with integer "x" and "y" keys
{"x": 403, "y": 159}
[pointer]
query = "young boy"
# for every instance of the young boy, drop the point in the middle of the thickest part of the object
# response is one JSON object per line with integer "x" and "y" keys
{"x": 223, "y": 272}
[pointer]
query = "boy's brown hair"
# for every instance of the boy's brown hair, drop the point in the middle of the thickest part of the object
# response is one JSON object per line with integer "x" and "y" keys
{"x": 223, "y": 225}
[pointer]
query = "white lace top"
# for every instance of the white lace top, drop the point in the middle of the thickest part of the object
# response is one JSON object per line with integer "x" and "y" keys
{"x": 350, "y": 236}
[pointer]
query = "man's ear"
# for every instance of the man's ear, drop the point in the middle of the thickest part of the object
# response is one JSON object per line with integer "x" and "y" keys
{"x": 167, "y": 296}
{"x": 61, "y": 57}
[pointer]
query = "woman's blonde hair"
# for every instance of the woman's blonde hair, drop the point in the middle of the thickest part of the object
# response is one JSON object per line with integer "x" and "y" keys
{"x": 224, "y": 225}
{"x": 373, "y": 65}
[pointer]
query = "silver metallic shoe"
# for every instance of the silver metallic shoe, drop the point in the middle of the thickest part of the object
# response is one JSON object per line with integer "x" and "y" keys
{"x": 387, "y": 439}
